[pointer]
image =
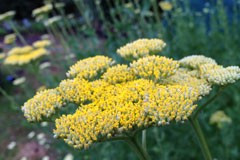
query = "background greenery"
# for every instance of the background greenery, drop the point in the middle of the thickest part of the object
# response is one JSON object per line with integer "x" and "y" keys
{"x": 209, "y": 27}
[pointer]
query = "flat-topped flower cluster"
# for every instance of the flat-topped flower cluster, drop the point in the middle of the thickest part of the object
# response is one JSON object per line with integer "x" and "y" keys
{"x": 120, "y": 99}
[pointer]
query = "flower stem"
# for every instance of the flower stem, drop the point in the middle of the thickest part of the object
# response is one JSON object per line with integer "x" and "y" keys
{"x": 139, "y": 150}
{"x": 14, "y": 28}
{"x": 199, "y": 109}
{"x": 144, "y": 141}
{"x": 201, "y": 138}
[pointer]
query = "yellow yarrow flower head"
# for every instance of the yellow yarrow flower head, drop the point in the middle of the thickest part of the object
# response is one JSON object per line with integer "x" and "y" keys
{"x": 165, "y": 5}
{"x": 23, "y": 55}
{"x": 42, "y": 10}
{"x": 20, "y": 50}
{"x": 9, "y": 39}
{"x": 116, "y": 101}
{"x": 154, "y": 67}
{"x": 43, "y": 104}
{"x": 7, "y": 16}
{"x": 124, "y": 108}
{"x": 220, "y": 118}
{"x": 141, "y": 48}
{"x": 90, "y": 68}
{"x": 42, "y": 43}
{"x": 195, "y": 61}
{"x": 118, "y": 74}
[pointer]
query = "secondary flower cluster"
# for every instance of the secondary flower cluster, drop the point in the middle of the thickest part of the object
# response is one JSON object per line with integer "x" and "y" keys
{"x": 9, "y": 39}
{"x": 7, "y": 16}
{"x": 119, "y": 99}
{"x": 25, "y": 54}
{"x": 141, "y": 48}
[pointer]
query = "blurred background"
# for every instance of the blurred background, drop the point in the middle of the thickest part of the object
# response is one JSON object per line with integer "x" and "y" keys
{"x": 77, "y": 29}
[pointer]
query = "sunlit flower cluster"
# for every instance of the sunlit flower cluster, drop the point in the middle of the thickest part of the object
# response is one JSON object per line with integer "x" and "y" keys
{"x": 141, "y": 48}
{"x": 118, "y": 100}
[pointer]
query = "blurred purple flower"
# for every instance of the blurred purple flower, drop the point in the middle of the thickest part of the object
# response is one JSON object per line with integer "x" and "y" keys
{"x": 26, "y": 23}
{"x": 7, "y": 26}
{"x": 10, "y": 78}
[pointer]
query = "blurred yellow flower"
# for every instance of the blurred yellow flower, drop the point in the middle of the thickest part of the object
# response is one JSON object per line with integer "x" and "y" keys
{"x": 23, "y": 55}
{"x": 42, "y": 43}
{"x": 9, "y": 39}
{"x": 2, "y": 55}
{"x": 220, "y": 118}
{"x": 165, "y": 5}
{"x": 42, "y": 10}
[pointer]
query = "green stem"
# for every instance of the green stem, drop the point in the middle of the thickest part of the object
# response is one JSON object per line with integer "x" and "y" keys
{"x": 138, "y": 149}
{"x": 201, "y": 138}
{"x": 200, "y": 108}
{"x": 155, "y": 10}
{"x": 14, "y": 28}
{"x": 144, "y": 137}
{"x": 10, "y": 98}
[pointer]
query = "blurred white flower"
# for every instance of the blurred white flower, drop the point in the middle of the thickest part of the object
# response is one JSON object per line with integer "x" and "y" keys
{"x": 24, "y": 158}
{"x": 11, "y": 145}
{"x": 31, "y": 135}
{"x": 69, "y": 156}
{"x": 46, "y": 158}
{"x": 44, "y": 65}
{"x": 47, "y": 146}
{"x": 42, "y": 141}
{"x": 40, "y": 136}
{"x": 70, "y": 56}
{"x": 44, "y": 124}
{"x": 19, "y": 81}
